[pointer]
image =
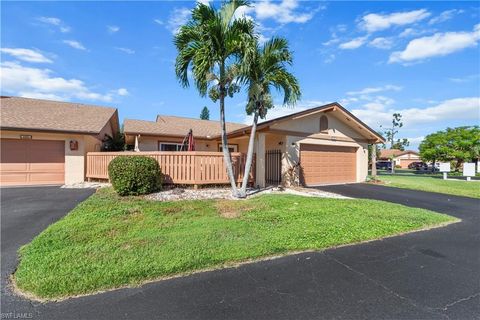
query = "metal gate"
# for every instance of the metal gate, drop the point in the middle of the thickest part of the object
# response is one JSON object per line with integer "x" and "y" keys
{"x": 273, "y": 167}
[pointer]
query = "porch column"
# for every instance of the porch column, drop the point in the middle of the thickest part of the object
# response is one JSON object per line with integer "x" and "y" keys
{"x": 136, "y": 149}
{"x": 260, "y": 160}
{"x": 374, "y": 160}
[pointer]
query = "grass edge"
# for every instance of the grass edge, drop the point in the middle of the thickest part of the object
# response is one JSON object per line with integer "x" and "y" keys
{"x": 227, "y": 265}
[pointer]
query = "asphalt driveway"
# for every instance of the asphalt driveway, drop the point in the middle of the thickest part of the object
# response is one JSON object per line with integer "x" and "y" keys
{"x": 425, "y": 275}
{"x": 25, "y": 212}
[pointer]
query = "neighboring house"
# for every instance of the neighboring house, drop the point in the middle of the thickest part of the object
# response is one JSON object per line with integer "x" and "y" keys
{"x": 322, "y": 145}
{"x": 45, "y": 142}
{"x": 400, "y": 158}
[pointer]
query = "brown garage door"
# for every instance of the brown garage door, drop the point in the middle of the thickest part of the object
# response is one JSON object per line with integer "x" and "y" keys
{"x": 327, "y": 164}
{"x": 32, "y": 162}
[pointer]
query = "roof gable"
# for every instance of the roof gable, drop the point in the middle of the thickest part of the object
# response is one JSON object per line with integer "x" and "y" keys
{"x": 348, "y": 118}
{"x": 44, "y": 115}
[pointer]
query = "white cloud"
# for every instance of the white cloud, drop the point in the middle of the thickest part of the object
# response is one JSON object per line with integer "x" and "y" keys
{"x": 333, "y": 40}
{"x": 206, "y": 2}
{"x": 55, "y": 22}
{"x": 464, "y": 79}
{"x": 125, "y": 50}
{"x": 341, "y": 27}
{"x": 113, "y": 29}
{"x": 370, "y": 90}
{"x": 375, "y": 22}
{"x": 411, "y": 32}
{"x": 330, "y": 58}
{"x": 353, "y": 44}
{"x": 445, "y": 16}
{"x": 440, "y": 44}
{"x": 41, "y": 83}
{"x": 282, "y": 12}
{"x": 158, "y": 21}
{"x": 75, "y": 44}
{"x": 450, "y": 110}
{"x": 50, "y": 20}
{"x": 26, "y": 55}
{"x": 382, "y": 43}
{"x": 177, "y": 18}
{"x": 416, "y": 140}
{"x": 334, "y": 31}
{"x": 123, "y": 92}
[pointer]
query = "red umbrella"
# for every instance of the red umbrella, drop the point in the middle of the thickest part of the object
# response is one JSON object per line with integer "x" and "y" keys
{"x": 191, "y": 142}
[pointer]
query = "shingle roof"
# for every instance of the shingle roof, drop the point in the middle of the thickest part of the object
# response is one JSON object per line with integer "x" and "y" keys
{"x": 45, "y": 115}
{"x": 387, "y": 153}
{"x": 177, "y": 126}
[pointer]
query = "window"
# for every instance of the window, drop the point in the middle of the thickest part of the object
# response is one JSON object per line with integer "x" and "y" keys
{"x": 231, "y": 148}
{"x": 168, "y": 146}
{"x": 323, "y": 124}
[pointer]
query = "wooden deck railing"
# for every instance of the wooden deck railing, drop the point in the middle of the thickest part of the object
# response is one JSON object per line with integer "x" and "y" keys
{"x": 182, "y": 167}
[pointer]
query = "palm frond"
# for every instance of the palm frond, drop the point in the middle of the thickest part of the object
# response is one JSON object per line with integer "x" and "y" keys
{"x": 227, "y": 12}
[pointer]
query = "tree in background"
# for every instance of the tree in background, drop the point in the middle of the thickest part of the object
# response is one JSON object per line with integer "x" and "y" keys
{"x": 264, "y": 69}
{"x": 211, "y": 44}
{"x": 400, "y": 144}
{"x": 205, "y": 114}
{"x": 456, "y": 145}
{"x": 391, "y": 133}
{"x": 113, "y": 143}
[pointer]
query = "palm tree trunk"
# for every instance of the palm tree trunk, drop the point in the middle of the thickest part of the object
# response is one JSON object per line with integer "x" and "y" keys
{"x": 248, "y": 163}
{"x": 226, "y": 151}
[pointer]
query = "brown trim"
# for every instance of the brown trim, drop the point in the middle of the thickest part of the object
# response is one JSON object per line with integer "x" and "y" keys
{"x": 90, "y": 133}
{"x": 328, "y": 107}
{"x": 318, "y": 136}
{"x": 133, "y": 134}
{"x": 230, "y": 144}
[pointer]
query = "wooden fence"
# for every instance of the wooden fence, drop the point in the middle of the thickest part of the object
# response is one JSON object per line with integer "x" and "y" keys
{"x": 178, "y": 167}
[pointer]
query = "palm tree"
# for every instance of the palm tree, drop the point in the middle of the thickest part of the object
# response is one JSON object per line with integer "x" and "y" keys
{"x": 211, "y": 43}
{"x": 263, "y": 69}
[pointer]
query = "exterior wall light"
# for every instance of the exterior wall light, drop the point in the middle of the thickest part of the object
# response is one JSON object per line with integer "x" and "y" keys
{"x": 73, "y": 145}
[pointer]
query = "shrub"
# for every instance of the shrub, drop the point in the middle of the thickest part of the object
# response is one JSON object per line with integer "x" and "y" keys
{"x": 135, "y": 175}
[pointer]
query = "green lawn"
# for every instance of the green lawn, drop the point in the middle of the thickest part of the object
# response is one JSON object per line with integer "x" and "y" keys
{"x": 107, "y": 241}
{"x": 432, "y": 184}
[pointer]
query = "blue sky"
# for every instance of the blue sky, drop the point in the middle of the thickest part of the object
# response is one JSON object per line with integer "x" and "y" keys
{"x": 417, "y": 58}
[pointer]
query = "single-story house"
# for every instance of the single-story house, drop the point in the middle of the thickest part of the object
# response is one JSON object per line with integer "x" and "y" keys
{"x": 45, "y": 142}
{"x": 400, "y": 158}
{"x": 322, "y": 145}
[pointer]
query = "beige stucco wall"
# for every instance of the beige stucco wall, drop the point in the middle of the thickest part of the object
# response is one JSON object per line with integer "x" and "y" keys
{"x": 151, "y": 143}
{"x": 408, "y": 156}
{"x": 337, "y": 130}
{"x": 74, "y": 160}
